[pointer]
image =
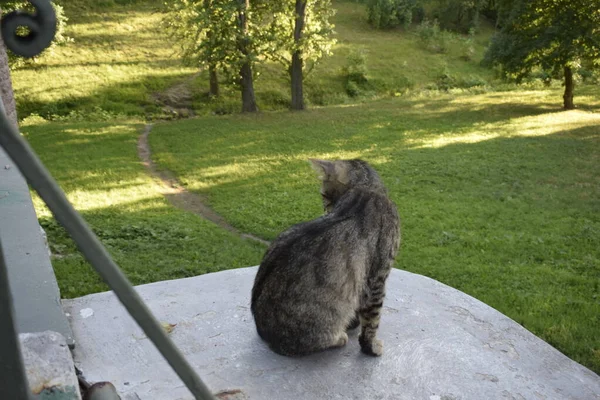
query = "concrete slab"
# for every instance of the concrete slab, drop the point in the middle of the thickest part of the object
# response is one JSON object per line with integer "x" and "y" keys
{"x": 49, "y": 366}
{"x": 439, "y": 344}
{"x": 32, "y": 281}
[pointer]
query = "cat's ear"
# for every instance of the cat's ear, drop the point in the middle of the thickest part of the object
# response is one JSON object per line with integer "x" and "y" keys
{"x": 325, "y": 169}
{"x": 330, "y": 170}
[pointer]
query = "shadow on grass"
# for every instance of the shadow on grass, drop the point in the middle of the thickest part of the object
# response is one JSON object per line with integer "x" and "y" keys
{"x": 513, "y": 221}
{"x": 133, "y": 98}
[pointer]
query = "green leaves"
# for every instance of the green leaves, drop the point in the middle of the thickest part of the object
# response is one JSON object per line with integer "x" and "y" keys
{"x": 553, "y": 35}
{"x": 548, "y": 34}
{"x": 207, "y": 31}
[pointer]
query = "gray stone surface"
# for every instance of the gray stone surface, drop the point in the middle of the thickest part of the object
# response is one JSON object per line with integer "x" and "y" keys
{"x": 33, "y": 284}
{"x": 49, "y": 366}
{"x": 439, "y": 344}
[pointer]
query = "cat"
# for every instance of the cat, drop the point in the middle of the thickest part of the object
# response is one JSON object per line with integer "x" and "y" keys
{"x": 320, "y": 278}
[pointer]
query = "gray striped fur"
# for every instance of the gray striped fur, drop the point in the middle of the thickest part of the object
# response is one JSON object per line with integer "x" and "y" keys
{"x": 322, "y": 277}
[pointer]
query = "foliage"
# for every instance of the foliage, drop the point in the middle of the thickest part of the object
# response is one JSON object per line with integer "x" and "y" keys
{"x": 385, "y": 14}
{"x": 206, "y": 32}
{"x": 317, "y": 36}
{"x": 60, "y": 37}
{"x": 121, "y": 57}
{"x": 456, "y": 15}
{"x": 433, "y": 38}
{"x": 355, "y": 72}
{"x": 549, "y": 34}
{"x": 468, "y": 46}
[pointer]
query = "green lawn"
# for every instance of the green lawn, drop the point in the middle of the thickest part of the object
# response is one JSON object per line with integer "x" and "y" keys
{"x": 97, "y": 166}
{"x": 118, "y": 59}
{"x": 498, "y": 193}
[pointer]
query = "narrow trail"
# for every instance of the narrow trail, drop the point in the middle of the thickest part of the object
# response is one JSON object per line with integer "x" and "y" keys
{"x": 180, "y": 197}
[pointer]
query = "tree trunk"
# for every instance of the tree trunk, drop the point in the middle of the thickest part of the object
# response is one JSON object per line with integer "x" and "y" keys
{"x": 6, "y": 89}
{"x": 296, "y": 68}
{"x": 568, "y": 96}
{"x": 246, "y": 80}
{"x": 214, "y": 81}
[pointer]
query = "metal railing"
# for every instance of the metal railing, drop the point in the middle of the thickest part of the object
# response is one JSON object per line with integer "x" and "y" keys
{"x": 41, "y": 30}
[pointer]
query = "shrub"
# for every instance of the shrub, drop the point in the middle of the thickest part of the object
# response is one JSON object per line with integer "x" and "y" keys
{"x": 385, "y": 14}
{"x": 468, "y": 46}
{"x": 434, "y": 39}
{"x": 355, "y": 73}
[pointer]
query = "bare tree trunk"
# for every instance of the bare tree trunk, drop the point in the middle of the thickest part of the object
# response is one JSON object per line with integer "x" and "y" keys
{"x": 6, "y": 89}
{"x": 246, "y": 80}
{"x": 214, "y": 81}
{"x": 296, "y": 68}
{"x": 569, "y": 85}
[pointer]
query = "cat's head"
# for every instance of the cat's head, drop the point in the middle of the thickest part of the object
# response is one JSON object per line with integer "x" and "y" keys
{"x": 341, "y": 175}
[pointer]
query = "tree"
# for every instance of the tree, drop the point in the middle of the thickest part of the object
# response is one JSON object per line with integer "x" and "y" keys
{"x": 554, "y": 35}
{"x": 244, "y": 44}
{"x": 310, "y": 40}
{"x": 205, "y": 32}
{"x": 6, "y": 89}
{"x": 219, "y": 35}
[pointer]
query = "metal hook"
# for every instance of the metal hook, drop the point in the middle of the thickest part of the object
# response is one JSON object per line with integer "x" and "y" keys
{"x": 41, "y": 25}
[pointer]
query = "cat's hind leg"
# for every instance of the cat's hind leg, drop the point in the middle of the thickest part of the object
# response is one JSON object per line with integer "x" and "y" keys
{"x": 354, "y": 322}
{"x": 304, "y": 345}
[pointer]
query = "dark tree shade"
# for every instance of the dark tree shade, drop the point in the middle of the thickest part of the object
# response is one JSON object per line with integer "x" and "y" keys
{"x": 555, "y": 35}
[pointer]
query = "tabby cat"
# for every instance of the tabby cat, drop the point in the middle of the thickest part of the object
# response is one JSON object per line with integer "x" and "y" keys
{"x": 320, "y": 278}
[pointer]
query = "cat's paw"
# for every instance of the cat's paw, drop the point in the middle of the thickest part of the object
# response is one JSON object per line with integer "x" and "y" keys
{"x": 343, "y": 339}
{"x": 373, "y": 348}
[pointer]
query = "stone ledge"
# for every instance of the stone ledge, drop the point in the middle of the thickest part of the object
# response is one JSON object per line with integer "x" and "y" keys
{"x": 439, "y": 344}
{"x": 35, "y": 293}
{"x": 49, "y": 366}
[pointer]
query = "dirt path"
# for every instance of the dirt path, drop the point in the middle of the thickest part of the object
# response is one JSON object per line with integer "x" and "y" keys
{"x": 179, "y": 196}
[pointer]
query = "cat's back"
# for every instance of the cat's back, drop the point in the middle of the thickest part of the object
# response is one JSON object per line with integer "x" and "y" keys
{"x": 329, "y": 247}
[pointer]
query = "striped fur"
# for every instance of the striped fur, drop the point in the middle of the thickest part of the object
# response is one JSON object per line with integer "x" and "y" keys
{"x": 322, "y": 277}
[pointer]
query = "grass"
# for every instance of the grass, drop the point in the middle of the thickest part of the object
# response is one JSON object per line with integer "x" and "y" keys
{"x": 120, "y": 57}
{"x": 499, "y": 194}
{"x": 98, "y": 168}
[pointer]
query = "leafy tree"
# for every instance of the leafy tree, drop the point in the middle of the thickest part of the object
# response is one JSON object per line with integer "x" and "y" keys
{"x": 220, "y": 35}
{"x": 299, "y": 35}
{"x": 205, "y": 31}
{"x": 6, "y": 90}
{"x": 555, "y": 35}
{"x": 456, "y": 15}
{"x": 385, "y": 14}
{"x": 247, "y": 55}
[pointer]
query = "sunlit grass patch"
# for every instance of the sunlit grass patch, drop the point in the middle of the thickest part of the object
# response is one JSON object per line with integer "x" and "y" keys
{"x": 97, "y": 166}
{"x": 499, "y": 193}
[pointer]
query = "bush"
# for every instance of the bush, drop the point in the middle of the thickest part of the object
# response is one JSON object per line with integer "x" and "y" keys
{"x": 355, "y": 73}
{"x": 467, "y": 45}
{"x": 456, "y": 15}
{"x": 434, "y": 39}
{"x": 385, "y": 14}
